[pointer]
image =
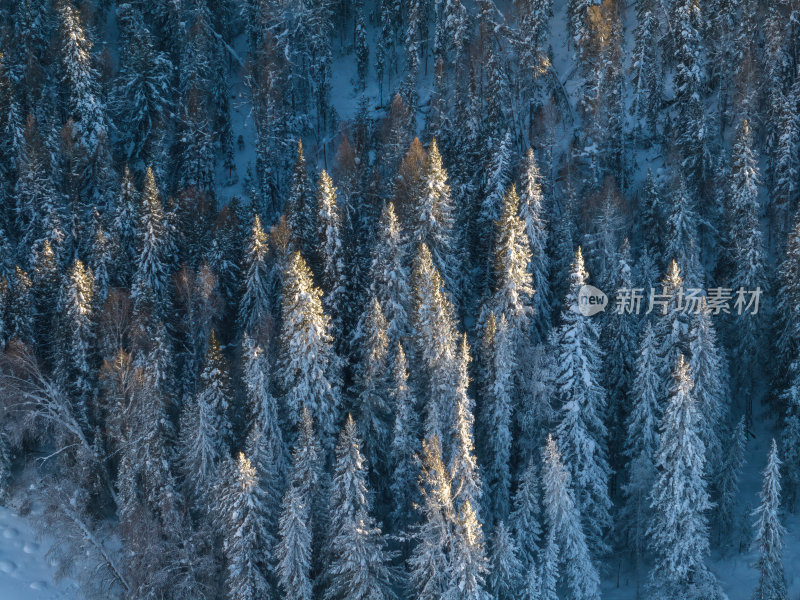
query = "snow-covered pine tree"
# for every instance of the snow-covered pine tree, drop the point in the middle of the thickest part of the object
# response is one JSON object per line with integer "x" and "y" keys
{"x": 581, "y": 432}
{"x": 513, "y": 290}
{"x": 672, "y": 327}
{"x": 525, "y": 518}
{"x": 468, "y": 563}
{"x": 769, "y": 533}
{"x": 434, "y": 338}
{"x": 372, "y": 379}
{"x": 150, "y": 281}
{"x": 749, "y": 260}
{"x": 641, "y": 443}
{"x": 646, "y": 71}
{"x": 787, "y": 306}
{"x": 300, "y": 207}
{"x": 359, "y": 565}
{"x": 463, "y": 463}
{"x": 21, "y": 309}
{"x": 308, "y": 367}
{"x": 389, "y": 277}
{"x": 247, "y": 539}
{"x": 506, "y": 571}
{"x": 497, "y": 420}
{"x": 726, "y": 479}
{"x": 433, "y": 220}
{"x": 265, "y": 445}
{"x": 651, "y": 220}
{"x": 710, "y": 374}
{"x": 405, "y": 442}
{"x": 679, "y": 495}
{"x": 790, "y": 438}
{"x": 532, "y": 211}
{"x": 74, "y": 362}
{"x": 429, "y": 565}
{"x": 687, "y": 52}
{"x": 331, "y": 253}
{"x": 124, "y": 227}
{"x": 255, "y": 307}
{"x": 618, "y": 341}
{"x": 563, "y": 523}
{"x": 683, "y": 245}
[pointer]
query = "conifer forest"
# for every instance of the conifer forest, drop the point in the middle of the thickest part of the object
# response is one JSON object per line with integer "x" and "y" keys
{"x": 400, "y": 299}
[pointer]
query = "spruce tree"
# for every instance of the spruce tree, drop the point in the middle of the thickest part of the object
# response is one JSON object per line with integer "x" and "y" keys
{"x": 255, "y": 305}
{"x": 389, "y": 276}
{"x": 726, "y": 480}
{"x": 581, "y": 432}
{"x": 468, "y": 562}
{"x": 405, "y": 441}
{"x": 769, "y": 533}
{"x": 532, "y": 211}
{"x": 525, "y": 518}
{"x": 247, "y": 538}
{"x": 463, "y": 463}
{"x": 308, "y": 368}
{"x": 331, "y": 253}
{"x": 506, "y": 574}
{"x": 429, "y": 565}
{"x": 300, "y": 207}
{"x": 359, "y": 565}
{"x": 563, "y": 523}
{"x": 679, "y": 495}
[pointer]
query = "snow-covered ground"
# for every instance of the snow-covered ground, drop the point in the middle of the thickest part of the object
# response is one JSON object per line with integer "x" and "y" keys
{"x": 25, "y": 572}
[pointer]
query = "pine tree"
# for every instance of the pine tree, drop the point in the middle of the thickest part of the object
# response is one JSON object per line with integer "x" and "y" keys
{"x": 389, "y": 277}
{"x": 372, "y": 381}
{"x": 769, "y": 533}
{"x": 513, "y": 288}
{"x": 308, "y": 368}
{"x": 727, "y": 478}
{"x": 468, "y": 562}
{"x": 748, "y": 257}
{"x": 300, "y": 207}
{"x": 506, "y": 574}
{"x": 293, "y": 552}
{"x": 787, "y": 306}
{"x": 464, "y": 464}
{"x": 255, "y": 308}
{"x": 435, "y": 341}
{"x": 215, "y": 388}
{"x": 790, "y": 438}
{"x": 149, "y": 287}
{"x": 709, "y": 368}
{"x": 405, "y": 441}
{"x": 429, "y": 565}
{"x": 498, "y": 420}
{"x": 689, "y": 78}
{"x": 531, "y": 211}
{"x": 247, "y": 538}
{"x": 525, "y": 517}
{"x": 330, "y": 243}
{"x": 581, "y": 432}
{"x": 21, "y": 315}
{"x": 265, "y": 445}
{"x": 646, "y": 70}
{"x": 46, "y": 286}
{"x": 683, "y": 246}
{"x": 498, "y": 178}
{"x": 563, "y": 522}
{"x": 301, "y": 517}
{"x": 433, "y": 220}
{"x": 124, "y": 227}
{"x": 76, "y": 335}
{"x": 359, "y": 566}
{"x": 679, "y": 496}
{"x": 642, "y": 442}
{"x": 651, "y": 220}
{"x": 362, "y": 53}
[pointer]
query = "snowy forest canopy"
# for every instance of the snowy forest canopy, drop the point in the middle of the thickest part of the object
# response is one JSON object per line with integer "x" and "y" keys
{"x": 289, "y": 294}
